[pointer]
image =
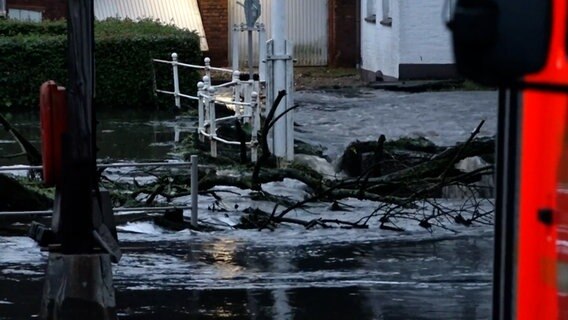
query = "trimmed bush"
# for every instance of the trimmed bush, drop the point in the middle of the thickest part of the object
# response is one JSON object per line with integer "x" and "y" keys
{"x": 32, "y": 53}
{"x": 10, "y": 28}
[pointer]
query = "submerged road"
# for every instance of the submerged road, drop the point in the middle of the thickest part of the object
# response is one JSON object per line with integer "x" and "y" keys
{"x": 290, "y": 273}
{"x": 445, "y": 279}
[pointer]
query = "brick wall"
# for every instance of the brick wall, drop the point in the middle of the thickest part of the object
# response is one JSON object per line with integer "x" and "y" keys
{"x": 51, "y": 9}
{"x": 344, "y": 43}
{"x": 215, "y": 17}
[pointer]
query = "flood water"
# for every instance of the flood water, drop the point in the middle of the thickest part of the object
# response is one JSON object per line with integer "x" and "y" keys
{"x": 120, "y": 136}
{"x": 290, "y": 273}
{"x": 442, "y": 279}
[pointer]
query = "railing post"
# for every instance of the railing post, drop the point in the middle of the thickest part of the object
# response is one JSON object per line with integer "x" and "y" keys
{"x": 206, "y": 82}
{"x": 176, "y": 80}
{"x": 236, "y": 91}
{"x": 212, "y": 122}
{"x": 194, "y": 190}
{"x": 177, "y": 133}
{"x": 208, "y": 68}
{"x": 248, "y": 99}
{"x": 200, "y": 110}
{"x": 255, "y": 126}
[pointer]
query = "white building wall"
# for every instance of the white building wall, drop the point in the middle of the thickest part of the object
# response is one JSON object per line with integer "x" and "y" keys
{"x": 424, "y": 38}
{"x": 380, "y": 49}
{"x": 389, "y": 38}
{"x": 417, "y": 35}
{"x": 369, "y": 41}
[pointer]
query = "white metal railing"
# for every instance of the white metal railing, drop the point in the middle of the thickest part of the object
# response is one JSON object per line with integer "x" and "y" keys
{"x": 238, "y": 30}
{"x": 244, "y": 101}
{"x": 193, "y": 187}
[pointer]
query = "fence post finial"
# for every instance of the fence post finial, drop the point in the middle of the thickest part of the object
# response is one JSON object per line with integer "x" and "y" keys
{"x": 176, "y": 80}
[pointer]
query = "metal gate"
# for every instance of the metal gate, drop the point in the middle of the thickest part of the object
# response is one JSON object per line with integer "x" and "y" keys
{"x": 307, "y": 28}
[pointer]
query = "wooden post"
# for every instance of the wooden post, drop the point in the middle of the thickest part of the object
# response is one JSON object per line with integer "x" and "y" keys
{"x": 78, "y": 283}
{"x": 78, "y": 287}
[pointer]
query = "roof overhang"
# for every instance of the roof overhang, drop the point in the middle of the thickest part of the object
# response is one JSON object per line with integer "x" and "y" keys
{"x": 182, "y": 13}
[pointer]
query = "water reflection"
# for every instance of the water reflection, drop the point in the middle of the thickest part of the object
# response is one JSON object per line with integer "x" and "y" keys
{"x": 305, "y": 303}
{"x": 226, "y": 278}
{"x": 120, "y": 136}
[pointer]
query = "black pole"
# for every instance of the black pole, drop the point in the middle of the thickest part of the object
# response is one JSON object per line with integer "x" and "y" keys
{"x": 506, "y": 203}
{"x": 76, "y": 221}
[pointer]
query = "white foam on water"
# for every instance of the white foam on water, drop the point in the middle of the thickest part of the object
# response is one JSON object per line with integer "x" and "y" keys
{"x": 141, "y": 227}
{"x": 20, "y": 250}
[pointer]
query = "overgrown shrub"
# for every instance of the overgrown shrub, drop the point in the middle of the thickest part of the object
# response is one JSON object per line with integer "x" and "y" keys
{"x": 32, "y": 53}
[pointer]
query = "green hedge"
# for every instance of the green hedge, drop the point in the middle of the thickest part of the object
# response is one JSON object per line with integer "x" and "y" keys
{"x": 35, "y": 52}
{"x": 12, "y": 28}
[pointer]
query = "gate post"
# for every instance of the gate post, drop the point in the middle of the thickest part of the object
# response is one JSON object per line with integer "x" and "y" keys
{"x": 280, "y": 79}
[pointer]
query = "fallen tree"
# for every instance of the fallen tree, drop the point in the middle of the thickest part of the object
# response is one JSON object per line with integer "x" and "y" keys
{"x": 403, "y": 176}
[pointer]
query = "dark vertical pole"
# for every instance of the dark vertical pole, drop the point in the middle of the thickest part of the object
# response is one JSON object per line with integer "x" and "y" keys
{"x": 78, "y": 157}
{"x": 498, "y": 226}
{"x": 506, "y": 206}
{"x": 78, "y": 281}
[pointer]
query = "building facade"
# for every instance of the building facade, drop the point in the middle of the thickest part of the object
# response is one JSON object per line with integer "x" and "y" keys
{"x": 405, "y": 39}
{"x": 337, "y": 26}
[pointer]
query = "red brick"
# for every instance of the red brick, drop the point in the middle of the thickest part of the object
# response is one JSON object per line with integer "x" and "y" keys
{"x": 215, "y": 17}
{"x": 344, "y": 50}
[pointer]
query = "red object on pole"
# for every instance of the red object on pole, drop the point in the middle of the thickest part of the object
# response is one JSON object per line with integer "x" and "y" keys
{"x": 542, "y": 209}
{"x": 53, "y": 119}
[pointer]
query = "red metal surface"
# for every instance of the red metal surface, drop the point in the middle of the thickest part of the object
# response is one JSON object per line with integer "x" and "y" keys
{"x": 53, "y": 119}
{"x": 562, "y": 241}
{"x": 543, "y": 125}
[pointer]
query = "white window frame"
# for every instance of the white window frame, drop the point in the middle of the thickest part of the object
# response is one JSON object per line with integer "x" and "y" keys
{"x": 386, "y": 17}
{"x": 371, "y": 12}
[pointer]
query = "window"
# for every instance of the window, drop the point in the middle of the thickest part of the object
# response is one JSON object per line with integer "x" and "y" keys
{"x": 2, "y": 8}
{"x": 386, "y": 20}
{"x": 371, "y": 15}
{"x": 24, "y": 15}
